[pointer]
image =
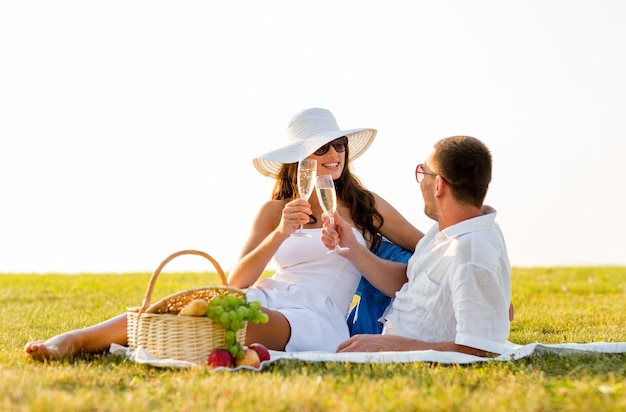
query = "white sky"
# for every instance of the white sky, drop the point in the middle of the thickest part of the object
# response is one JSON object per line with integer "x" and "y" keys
{"x": 127, "y": 129}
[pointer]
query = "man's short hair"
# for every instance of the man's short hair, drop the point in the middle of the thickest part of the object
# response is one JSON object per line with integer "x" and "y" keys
{"x": 465, "y": 162}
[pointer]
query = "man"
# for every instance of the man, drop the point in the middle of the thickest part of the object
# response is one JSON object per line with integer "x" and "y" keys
{"x": 455, "y": 293}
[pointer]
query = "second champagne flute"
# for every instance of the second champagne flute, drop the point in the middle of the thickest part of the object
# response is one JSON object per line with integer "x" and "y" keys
{"x": 307, "y": 170}
{"x": 327, "y": 197}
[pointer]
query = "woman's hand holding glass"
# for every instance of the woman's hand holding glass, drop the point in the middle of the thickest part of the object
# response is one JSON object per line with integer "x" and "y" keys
{"x": 307, "y": 170}
{"x": 294, "y": 213}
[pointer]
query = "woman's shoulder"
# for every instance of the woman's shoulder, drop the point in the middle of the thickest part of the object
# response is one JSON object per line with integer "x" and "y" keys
{"x": 272, "y": 206}
{"x": 396, "y": 227}
{"x": 274, "y": 203}
{"x": 269, "y": 213}
{"x": 384, "y": 207}
{"x": 381, "y": 204}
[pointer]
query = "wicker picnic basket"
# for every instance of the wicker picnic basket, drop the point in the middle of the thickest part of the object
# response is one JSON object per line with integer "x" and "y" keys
{"x": 158, "y": 329}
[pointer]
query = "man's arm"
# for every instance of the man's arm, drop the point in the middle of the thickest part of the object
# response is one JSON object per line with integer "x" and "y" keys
{"x": 394, "y": 343}
{"x": 386, "y": 275}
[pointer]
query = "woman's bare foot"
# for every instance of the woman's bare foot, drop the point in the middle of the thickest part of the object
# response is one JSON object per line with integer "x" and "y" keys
{"x": 92, "y": 339}
{"x": 57, "y": 347}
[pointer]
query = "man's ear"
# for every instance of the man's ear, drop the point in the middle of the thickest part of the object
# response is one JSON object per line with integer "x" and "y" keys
{"x": 439, "y": 186}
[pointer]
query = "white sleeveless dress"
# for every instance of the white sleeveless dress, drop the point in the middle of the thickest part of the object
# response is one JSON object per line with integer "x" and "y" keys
{"x": 313, "y": 290}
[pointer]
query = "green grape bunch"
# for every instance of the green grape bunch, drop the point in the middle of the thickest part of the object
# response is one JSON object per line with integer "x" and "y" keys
{"x": 232, "y": 312}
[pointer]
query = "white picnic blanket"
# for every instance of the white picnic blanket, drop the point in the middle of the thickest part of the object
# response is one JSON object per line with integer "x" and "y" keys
{"x": 512, "y": 352}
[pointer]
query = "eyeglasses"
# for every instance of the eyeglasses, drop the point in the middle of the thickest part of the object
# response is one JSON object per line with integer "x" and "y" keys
{"x": 420, "y": 173}
{"x": 338, "y": 144}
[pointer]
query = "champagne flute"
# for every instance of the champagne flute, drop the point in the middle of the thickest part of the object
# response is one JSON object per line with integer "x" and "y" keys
{"x": 307, "y": 170}
{"x": 327, "y": 196}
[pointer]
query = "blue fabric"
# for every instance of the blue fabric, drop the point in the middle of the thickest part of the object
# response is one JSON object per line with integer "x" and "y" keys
{"x": 363, "y": 318}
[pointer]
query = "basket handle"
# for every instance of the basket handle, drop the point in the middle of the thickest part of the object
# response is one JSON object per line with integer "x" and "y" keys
{"x": 155, "y": 275}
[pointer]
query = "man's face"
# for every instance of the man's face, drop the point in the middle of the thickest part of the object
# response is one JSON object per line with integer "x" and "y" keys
{"x": 428, "y": 190}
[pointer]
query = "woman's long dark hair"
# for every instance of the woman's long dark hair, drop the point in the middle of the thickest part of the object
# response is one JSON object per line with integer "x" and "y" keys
{"x": 350, "y": 190}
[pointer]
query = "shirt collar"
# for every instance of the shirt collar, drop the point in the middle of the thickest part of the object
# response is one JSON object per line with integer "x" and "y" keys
{"x": 475, "y": 224}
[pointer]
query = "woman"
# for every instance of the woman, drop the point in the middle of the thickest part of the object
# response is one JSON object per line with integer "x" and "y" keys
{"x": 308, "y": 298}
{"x": 310, "y": 294}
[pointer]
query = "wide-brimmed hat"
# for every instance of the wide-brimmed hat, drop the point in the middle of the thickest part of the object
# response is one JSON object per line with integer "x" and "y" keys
{"x": 307, "y": 131}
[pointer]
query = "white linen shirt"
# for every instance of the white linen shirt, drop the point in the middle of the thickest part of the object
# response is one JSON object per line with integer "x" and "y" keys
{"x": 458, "y": 289}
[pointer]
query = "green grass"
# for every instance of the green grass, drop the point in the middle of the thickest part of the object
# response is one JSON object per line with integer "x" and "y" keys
{"x": 553, "y": 305}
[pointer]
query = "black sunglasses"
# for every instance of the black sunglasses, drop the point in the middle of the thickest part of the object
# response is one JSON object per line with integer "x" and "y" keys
{"x": 338, "y": 144}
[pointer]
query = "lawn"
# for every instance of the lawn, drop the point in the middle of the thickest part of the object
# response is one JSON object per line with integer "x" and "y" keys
{"x": 553, "y": 305}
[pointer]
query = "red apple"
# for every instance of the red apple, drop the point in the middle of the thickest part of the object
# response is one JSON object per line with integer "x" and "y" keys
{"x": 250, "y": 358}
{"x": 261, "y": 350}
{"x": 220, "y": 358}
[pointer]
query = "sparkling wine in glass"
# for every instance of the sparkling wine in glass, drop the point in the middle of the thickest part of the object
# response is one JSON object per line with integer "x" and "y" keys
{"x": 307, "y": 170}
{"x": 327, "y": 196}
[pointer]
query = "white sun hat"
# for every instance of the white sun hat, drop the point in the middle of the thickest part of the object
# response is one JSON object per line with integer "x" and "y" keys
{"x": 307, "y": 131}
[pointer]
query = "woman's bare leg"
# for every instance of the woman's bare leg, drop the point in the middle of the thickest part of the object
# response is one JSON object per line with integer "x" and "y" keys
{"x": 94, "y": 338}
{"x": 274, "y": 334}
